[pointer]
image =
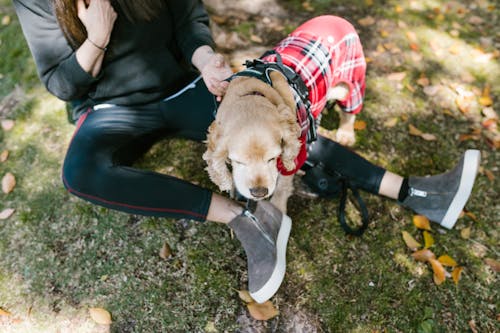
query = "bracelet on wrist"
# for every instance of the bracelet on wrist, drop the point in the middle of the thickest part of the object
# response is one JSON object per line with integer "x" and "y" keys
{"x": 103, "y": 49}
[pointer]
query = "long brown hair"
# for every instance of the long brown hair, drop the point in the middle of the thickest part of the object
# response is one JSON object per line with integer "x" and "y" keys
{"x": 74, "y": 30}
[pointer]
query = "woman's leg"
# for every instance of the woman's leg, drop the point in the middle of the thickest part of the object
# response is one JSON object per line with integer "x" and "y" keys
{"x": 441, "y": 198}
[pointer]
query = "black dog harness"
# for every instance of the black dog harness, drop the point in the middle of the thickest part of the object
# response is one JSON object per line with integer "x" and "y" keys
{"x": 261, "y": 70}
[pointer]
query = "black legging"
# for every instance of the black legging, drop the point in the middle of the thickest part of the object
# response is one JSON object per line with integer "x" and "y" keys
{"x": 107, "y": 141}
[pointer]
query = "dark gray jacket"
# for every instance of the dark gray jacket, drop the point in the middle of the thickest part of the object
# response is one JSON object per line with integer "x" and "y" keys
{"x": 144, "y": 62}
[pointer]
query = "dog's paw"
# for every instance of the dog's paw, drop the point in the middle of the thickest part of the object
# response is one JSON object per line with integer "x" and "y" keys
{"x": 345, "y": 137}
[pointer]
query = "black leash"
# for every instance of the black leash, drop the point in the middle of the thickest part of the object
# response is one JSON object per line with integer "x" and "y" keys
{"x": 365, "y": 219}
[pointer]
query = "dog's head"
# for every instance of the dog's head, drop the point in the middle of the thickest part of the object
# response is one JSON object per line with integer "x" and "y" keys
{"x": 255, "y": 125}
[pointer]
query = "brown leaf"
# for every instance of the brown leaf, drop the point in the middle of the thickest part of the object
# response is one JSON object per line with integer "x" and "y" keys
{"x": 307, "y": 6}
{"x": 456, "y": 273}
{"x": 8, "y": 183}
{"x": 100, "y": 316}
{"x": 6, "y": 213}
{"x": 264, "y": 311}
{"x": 446, "y": 260}
{"x": 359, "y": 125}
{"x": 428, "y": 137}
{"x": 421, "y": 222}
{"x": 489, "y": 174}
{"x": 428, "y": 239}
{"x": 4, "y": 156}
{"x": 494, "y": 264}
{"x": 7, "y": 124}
{"x": 471, "y": 215}
{"x": 366, "y": 21}
{"x": 396, "y": 76}
{"x": 423, "y": 255}
{"x": 410, "y": 241}
{"x": 423, "y": 81}
{"x": 245, "y": 296}
{"x": 4, "y": 313}
{"x": 256, "y": 39}
{"x": 439, "y": 272}
{"x": 412, "y": 36}
{"x": 165, "y": 251}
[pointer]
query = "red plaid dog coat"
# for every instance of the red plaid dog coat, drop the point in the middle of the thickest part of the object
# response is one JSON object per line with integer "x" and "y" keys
{"x": 324, "y": 51}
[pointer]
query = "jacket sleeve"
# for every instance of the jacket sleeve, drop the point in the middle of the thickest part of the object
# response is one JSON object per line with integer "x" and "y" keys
{"x": 55, "y": 60}
{"x": 191, "y": 24}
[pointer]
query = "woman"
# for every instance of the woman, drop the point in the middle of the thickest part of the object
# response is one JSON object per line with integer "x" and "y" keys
{"x": 131, "y": 69}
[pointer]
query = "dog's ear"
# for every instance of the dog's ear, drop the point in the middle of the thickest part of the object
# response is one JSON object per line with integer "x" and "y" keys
{"x": 290, "y": 136}
{"x": 280, "y": 84}
{"x": 216, "y": 158}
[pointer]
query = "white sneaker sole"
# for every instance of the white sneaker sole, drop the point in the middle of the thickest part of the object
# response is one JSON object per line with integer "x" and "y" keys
{"x": 472, "y": 158}
{"x": 272, "y": 285}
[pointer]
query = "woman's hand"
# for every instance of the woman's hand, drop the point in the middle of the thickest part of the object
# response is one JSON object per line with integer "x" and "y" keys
{"x": 213, "y": 68}
{"x": 98, "y": 17}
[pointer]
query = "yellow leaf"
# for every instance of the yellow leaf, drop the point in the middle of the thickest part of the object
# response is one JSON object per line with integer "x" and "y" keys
{"x": 359, "y": 125}
{"x": 412, "y": 37}
{"x": 391, "y": 122}
{"x": 4, "y": 156}
{"x": 471, "y": 215}
{"x": 6, "y": 20}
{"x": 485, "y": 98}
{"x": 414, "y": 131}
{"x": 245, "y": 296}
{"x": 421, "y": 222}
{"x": 410, "y": 241}
{"x": 456, "y": 273}
{"x": 369, "y": 2}
{"x": 446, "y": 260}
{"x": 398, "y": 9}
{"x": 465, "y": 233}
{"x": 264, "y": 311}
{"x": 100, "y": 316}
{"x": 165, "y": 251}
{"x": 423, "y": 255}
{"x": 439, "y": 272}
{"x": 4, "y": 313}
{"x": 428, "y": 239}
{"x": 6, "y": 213}
{"x": 8, "y": 183}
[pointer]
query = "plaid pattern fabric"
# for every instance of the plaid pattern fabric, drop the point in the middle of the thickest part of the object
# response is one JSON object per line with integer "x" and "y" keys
{"x": 324, "y": 52}
{"x": 322, "y": 67}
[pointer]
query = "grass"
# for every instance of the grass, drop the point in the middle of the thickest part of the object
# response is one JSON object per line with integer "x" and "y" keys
{"x": 60, "y": 255}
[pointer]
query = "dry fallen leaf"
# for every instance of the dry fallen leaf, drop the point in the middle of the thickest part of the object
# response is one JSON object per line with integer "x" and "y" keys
{"x": 8, "y": 183}
{"x": 428, "y": 239}
{"x": 456, "y": 273}
{"x": 4, "y": 156}
{"x": 100, "y": 316}
{"x": 410, "y": 241}
{"x": 421, "y": 222}
{"x": 414, "y": 131}
{"x": 6, "y": 20}
{"x": 494, "y": 264}
{"x": 391, "y": 122}
{"x": 366, "y": 21}
{"x": 165, "y": 251}
{"x": 6, "y": 213}
{"x": 465, "y": 233}
{"x": 396, "y": 76}
{"x": 423, "y": 255}
{"x": 4, "y": 313}
{"x": 359, "y": 125}
{"x": 446, "y": 260}
{"x": 7, "y": 124}
{"x": 489, "y": 175}
{"x": 245, "y": 296}
{"x": 439, "y": 272}
{"x": 264, "y": 311}
{"x": 485, "y": 98}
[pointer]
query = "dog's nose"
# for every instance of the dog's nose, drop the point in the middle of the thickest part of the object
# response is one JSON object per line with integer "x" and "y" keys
{"x": 259, "y": 192}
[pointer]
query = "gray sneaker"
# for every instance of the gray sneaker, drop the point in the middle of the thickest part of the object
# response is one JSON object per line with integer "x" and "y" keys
{"x": 441, "y": 198}
{"x": 264, "y": 236}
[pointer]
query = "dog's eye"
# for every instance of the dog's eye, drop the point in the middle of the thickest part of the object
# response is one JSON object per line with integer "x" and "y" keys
{"x": 271, "y": 160}
{"x": 237, "y": 162}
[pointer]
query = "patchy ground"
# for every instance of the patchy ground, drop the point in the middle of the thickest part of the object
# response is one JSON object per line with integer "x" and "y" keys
{"x": 433, "y": 91}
